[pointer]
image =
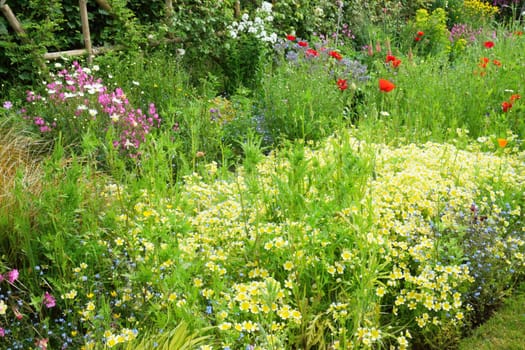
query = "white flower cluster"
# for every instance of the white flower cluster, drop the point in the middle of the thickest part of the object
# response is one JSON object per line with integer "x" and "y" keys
{"x": 257, "y": 27}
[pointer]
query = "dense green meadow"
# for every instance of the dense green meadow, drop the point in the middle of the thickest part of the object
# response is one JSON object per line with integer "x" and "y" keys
{"x": 309, "y": 183}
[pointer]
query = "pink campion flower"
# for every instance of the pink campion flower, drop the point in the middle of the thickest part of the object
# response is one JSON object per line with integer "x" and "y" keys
{"x": 1, "y": 277}
{"x": 8, "y": 104}
{"x": 12, "y": 276}
{"x": 2, "y": 332}
{"x": 49, "y": 300}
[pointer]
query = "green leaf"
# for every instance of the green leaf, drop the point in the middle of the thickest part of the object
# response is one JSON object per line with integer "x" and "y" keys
{"x": 3, "y": 28}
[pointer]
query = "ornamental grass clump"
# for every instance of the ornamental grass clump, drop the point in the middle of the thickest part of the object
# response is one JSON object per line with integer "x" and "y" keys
{"x": 75, "y": 103}
{"x": 18, "y": 164}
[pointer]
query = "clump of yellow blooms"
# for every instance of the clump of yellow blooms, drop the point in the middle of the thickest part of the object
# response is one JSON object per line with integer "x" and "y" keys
{"x": 479, "y": 10}
{"x": 266, "y": 275}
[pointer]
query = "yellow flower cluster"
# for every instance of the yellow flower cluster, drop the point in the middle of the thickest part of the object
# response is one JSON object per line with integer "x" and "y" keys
{"x": 479, "y": 9}
{"x": 125, "y": 335}
{"x": 265, "y": 270}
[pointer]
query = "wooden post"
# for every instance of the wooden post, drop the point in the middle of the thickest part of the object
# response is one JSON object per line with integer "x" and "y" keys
{"x": 237, "y": 9}
{"x": 169, "y": 8}
{"x": 85, "y": 29}
{"x": 11, "y": 18}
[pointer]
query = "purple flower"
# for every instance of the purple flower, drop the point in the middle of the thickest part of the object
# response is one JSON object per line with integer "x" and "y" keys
{"x": 12, "y": 276}
{"x": 2, "y": 332}
{"x": 49, "y": 300}
{"x": 8, "y": 105}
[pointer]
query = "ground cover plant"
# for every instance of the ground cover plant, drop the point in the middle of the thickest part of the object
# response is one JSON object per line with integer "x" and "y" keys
{"x": 356, "y": 188}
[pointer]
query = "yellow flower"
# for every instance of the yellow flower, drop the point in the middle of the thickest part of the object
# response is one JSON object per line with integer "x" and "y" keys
{"x": 284, "y": 312}
{"x": 71, "y": 294}
{"x": 346, "y": 255}
{"x": 225, "y": 326}
{"x": 197, "y": 282}
{"x": 90, "y": 306}
{"x": 375, "y": 334}
{"x": 3, "y": 307}
{"x": 249, "y": 326}
{"x": 244, "y": 305}
{"x": 111, "y": 341}
{"x": 288, "y": 265}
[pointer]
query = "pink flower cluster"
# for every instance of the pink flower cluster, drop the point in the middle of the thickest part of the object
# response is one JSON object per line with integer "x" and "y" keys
{"x": 133, "y": 124}
{"x": 77, "y": 99}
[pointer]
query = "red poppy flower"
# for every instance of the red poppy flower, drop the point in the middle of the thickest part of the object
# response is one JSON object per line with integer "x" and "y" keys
{"x": 342, "y": 84}
{"x": 518, "y": 33}
{"x": 417, "y": 38}
{"x": 335, "y": 55}
{"x": 506, "y": 106}
{"x": 290, "y": 37}
{"x": 488, "y": 44}
{"x": 483, "y": 62}
{"x": 311, "y": 53}
{"x": 420, "y": 33}
{"x": 390, "y": 58}
{"x": 385, "y": 85}
{"x": 396, "y": 63}
{"x": 515, "y": 97}
{"x": 302, "y": 43}
{"x": 502, "y": 142}
{"x": 497, "y": 63}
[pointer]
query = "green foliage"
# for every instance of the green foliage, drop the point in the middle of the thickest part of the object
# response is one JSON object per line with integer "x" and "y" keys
{"x": 23, "y": 52}
{"x": 371, "y": 21}
{"x": 52, "y": 26}
{"x": 435, "y": 33}
{"x": 306, "y": 17}
{"x": 179, "y": 338}
{"x": 201, "y": 26}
